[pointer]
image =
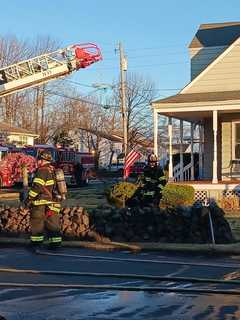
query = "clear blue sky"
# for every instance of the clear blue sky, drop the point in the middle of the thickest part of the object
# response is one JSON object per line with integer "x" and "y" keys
{"x": 155, "y": 33}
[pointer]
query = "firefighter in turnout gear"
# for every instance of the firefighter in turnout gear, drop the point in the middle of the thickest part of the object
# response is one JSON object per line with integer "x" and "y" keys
{"x": 44, "y": 200}
{"x": 153, "y": 181}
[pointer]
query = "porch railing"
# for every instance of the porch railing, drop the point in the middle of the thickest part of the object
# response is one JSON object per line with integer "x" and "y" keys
{"x": 186, "y": 172}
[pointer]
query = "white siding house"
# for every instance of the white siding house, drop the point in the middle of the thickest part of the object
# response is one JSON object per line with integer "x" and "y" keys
{"x": 211, "y": 103}
{"x": 16, "y": 136}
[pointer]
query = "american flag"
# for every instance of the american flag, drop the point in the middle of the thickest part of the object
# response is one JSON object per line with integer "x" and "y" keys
{"x": 130, "y": 159}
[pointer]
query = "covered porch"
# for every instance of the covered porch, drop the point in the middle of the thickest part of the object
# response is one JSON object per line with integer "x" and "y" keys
{"x": 214, "y": 126}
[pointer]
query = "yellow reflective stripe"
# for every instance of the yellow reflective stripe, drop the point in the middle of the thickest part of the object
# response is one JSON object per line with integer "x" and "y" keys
{"x": 148, "y": 193}
{"x": 54, "y": 209}
{"x": 39, "y": 181}
{"x": 41, "y": 202}
{"x": 162, "y": 178}
{"x": 49, "y": 183}
{"x": 33, "y": 193}
{"x": 37, "y": 238}
{"x": 55, "y": 239}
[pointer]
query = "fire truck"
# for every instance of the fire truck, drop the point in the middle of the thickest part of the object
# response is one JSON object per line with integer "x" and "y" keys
{"x": 42, "y": 69}
{"x": 69, "y": 160}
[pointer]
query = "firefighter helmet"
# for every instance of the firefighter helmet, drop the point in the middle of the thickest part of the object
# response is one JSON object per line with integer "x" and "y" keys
{"x": 152, "y": 159}
{"x": 45, "y": 155}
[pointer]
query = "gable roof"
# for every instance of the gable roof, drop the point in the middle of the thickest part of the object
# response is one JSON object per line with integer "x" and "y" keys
{"x": 212, "y": 64}
{"x": 10, "y": 129}
{"x": 216, "y": 34}
{"x": 201, "y": 97}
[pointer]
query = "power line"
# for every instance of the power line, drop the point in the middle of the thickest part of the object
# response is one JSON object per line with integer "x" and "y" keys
{"x": 140, "y": 66}
{"x": 81, "y": 100}
{"x": 90, "y": 86}
{"x": 152, "y": 48}
{"x": 79, "y": 83}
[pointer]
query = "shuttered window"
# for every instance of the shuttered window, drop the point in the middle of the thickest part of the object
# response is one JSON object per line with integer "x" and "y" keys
{"x": 236, "y": 140}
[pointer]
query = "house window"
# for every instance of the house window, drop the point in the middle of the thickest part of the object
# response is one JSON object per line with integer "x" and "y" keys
{"x": 236, "y": 140}
{"x": 23, "y": 140}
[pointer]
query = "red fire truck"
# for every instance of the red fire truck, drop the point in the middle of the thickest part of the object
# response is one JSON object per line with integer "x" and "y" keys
{"x": 68, "y": 160}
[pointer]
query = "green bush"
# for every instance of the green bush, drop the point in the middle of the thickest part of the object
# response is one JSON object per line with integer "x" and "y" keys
{"x": 121, "y": 192}
{"x": 177, "y": 195}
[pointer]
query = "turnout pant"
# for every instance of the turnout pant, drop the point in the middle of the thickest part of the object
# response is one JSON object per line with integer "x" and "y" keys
{"x": 45, "y": 219}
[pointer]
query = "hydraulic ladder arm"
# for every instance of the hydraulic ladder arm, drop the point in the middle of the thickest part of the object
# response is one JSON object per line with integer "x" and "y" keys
{"x": 47, "y": 67}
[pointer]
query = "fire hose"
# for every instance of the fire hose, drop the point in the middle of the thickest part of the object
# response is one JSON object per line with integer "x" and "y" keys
{"x": 125, "y": 276}
{"x": 119, "y": 287}
{"x": 196, "y": 264}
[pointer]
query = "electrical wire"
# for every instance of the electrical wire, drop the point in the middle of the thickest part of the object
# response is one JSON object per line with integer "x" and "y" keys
{"x": 81, "y": 100}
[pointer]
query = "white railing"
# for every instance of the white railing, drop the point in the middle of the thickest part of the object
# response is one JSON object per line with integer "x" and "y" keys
{"x": 177, "y": 172}
{"x": 186, "y": 172}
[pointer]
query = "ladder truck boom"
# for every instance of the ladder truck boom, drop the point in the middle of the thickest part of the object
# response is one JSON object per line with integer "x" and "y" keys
{"x": 47, "y": 67}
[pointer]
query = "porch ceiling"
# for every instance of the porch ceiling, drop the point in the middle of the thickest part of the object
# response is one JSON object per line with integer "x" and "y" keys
{"x": 196, "y": 106}
{"x": 188, "y": 116}
{"x": 196, "y": 116}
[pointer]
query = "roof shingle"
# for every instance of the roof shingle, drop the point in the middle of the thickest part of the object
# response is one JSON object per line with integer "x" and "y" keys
{"x": 201, "y": 97}
{"x": 216, "y": 34}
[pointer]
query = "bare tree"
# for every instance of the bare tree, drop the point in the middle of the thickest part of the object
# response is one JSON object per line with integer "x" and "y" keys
{"x": 139, "y": 93}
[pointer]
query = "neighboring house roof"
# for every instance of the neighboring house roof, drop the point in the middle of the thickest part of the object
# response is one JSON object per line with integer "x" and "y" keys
{"x": 216, "y": 34}
{"x": 15, "y": 130}
{"x": 118, "y": 138}
{"x": 201, "y": 97}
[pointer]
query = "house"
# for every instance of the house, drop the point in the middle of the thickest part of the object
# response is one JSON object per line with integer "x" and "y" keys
{"x": 210, "y": 102}
{"x": 16, "y": 136}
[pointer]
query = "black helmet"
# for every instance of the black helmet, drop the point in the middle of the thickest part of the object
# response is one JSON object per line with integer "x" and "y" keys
{"x": 152, "y": 159}
{"x": 45, "y": 155}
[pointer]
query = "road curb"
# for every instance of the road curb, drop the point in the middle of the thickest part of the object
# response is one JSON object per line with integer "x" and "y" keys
{"x": 233, "y": 248}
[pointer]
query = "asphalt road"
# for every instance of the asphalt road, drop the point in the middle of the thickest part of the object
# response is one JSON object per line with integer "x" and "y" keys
{"x": 57, "y": 304}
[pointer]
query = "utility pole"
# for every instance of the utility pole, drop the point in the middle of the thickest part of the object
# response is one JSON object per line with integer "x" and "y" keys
{"x": 123, "y": 69}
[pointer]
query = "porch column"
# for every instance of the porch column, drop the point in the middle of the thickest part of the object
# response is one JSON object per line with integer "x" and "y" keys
{"x": 200, "y": 151}
{"x": 181, "y": 150}
{"x": 170, "y": 166}
{"x": 215, "y": 127}
{"x": 155, "y": 131}
{"x": 192, "y": 155}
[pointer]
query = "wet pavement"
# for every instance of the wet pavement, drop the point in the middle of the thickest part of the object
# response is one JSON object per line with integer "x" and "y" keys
{"x": 26, "y": 303}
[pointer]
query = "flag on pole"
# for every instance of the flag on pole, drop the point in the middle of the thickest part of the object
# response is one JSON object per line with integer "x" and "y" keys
{"x": 129, "y": 161}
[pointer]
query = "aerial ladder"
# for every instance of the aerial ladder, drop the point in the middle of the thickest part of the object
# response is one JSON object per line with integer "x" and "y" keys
{"x": 46, "y": 67}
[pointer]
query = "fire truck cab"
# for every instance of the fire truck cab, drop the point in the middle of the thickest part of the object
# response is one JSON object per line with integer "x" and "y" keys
{"x": 68, "y": 160}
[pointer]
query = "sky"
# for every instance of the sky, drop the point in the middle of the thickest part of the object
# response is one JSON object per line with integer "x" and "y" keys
{"x": 155, "y": 34}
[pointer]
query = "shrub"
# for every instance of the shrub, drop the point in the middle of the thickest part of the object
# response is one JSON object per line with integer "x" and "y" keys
{"x": 121, "y": 192}
{"x": 177, "y": 195}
